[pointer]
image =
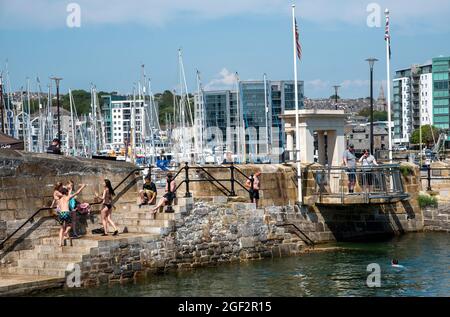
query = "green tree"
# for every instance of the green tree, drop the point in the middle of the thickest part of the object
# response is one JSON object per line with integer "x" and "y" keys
{"x": 82, "y": 101}
{"x": 377, "y": 115}
{"x": 333, "y": 97}
{"x": 430, "y": 134}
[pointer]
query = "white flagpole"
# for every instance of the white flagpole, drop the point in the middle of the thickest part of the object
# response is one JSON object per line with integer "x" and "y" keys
{"x": 388, "y": 84}
{"x": 297, "y": 129}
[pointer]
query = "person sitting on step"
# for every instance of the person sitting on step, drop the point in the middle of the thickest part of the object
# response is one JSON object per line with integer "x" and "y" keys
{"x": 148, "y": 192}
{"x": 169, "y": 196}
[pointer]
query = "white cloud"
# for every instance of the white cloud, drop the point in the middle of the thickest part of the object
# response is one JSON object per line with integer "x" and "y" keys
{"x": 226, "y": 80}
{"x": 51, "y": 13}
{"x": 316, "y": 84}
{"x": 412, "y": 15}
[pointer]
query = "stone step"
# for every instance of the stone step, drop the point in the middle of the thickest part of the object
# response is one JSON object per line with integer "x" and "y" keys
{"x": 138, "y": 229}
{"x": 145, "y": 222}
{"x": 32, "y": 254}
{"x": 66, "y": 249}
{"x": 147, "y": 215}
{"x": 35, "y": 271}
{"x": 45, "y": 264}
{"x": 76, "y": 242}
{"x": 19, "y": 285}
{"x": 149, "y": 208}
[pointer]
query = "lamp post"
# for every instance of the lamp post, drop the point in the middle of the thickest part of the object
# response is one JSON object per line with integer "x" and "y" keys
{"x": 336, "y": 87}
{"x": 57, "y": 80}
{"x": 371, "y": 63}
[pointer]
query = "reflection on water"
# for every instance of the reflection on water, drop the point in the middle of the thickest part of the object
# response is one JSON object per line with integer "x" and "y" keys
{"x": 334, "y": 273}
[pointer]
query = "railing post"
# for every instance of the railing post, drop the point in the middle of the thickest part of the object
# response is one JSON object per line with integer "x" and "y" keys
{"x": 232, "y": 193}
{"x": 186, "y": 179}
{"x": 429, "y": 177}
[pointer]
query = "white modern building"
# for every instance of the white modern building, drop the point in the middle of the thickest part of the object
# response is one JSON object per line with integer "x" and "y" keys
{"x": 121, "y": 122}
{"x": 413, "y": 101}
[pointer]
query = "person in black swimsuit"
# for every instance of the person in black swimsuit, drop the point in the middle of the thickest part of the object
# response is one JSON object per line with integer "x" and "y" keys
{"x": 170, "y": 194}
{"x": 106, "y": 211}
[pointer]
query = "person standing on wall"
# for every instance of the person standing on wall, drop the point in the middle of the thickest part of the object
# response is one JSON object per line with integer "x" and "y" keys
{"x": 368, "y": 161}
{"x": 349, "y": 159}
{"x": 254, "y": 191}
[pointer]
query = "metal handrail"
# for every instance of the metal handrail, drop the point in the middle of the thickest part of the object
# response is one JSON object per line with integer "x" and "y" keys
{"x": 305, "y": 238}
{"x": 429, "y": 176}
{"x": 213, "y": 180}
{"x": 383, "y": 181}
{"x": 31, "y": 219}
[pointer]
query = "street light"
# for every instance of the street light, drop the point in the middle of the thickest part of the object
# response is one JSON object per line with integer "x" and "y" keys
{"x": 57, "y": 80}
{"x": 371, "y": 63}
{"x": 336, "y": 87}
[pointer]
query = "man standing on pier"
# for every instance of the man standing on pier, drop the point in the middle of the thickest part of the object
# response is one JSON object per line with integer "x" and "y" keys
{"x": 254, "y": 190}
{"x": 350, "y": 162}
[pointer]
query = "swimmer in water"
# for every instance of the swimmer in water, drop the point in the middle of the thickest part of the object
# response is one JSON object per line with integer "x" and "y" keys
{"x": 394, "y": 263}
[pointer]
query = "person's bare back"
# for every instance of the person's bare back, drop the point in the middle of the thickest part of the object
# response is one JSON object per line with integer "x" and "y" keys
{"x": 63, "y": 202}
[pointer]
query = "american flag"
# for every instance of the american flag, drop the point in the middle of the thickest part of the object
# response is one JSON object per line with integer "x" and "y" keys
{"x": 387, "y": 35}
{"x": 299, "y": 47}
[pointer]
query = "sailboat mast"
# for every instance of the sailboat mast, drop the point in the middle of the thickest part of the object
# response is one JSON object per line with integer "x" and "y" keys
{"x": 199, "y": 120}
{"x": 266, "y": 107}
{"x": 132, "y": 124}
{"x": 73, "y": 123}
{"x": 40, "y": 147}
{"x": 30, "y": 144}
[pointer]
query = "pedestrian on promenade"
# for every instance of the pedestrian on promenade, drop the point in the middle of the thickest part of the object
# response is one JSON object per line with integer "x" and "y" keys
{"x": 349, "y": 159}
{"x": 107, "y": 203}
{"x": 368, "y": 161}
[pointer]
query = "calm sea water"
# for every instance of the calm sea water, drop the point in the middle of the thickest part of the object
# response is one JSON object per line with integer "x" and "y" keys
{"x": 426, "y": 272}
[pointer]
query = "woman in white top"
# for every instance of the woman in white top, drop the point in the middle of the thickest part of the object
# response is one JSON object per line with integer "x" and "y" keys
{"x": 368, "y": 160}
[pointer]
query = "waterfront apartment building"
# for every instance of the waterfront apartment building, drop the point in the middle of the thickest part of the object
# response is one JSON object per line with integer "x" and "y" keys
{"x": 441, "y": 92}
{"x": 221, "y": 110}
{"x": 117, "y": 116}
{"x": 413, "y": 101}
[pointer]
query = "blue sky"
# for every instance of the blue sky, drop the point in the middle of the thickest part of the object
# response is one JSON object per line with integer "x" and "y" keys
{"x": 219, "y": 38}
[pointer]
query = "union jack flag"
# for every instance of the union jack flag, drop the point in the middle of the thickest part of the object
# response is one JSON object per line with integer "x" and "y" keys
{"x": 387, "y": 35}
{"x": 297, "y": 40}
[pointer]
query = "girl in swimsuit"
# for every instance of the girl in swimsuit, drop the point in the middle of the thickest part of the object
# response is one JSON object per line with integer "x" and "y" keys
{"x": 57, "y": 195}
{"x": 106, "y": 211}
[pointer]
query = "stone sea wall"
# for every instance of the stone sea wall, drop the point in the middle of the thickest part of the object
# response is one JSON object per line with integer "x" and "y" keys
{"x": 217, "y": 232}
{"x": 207, "y": 235}
{"x": 437, "y": 219}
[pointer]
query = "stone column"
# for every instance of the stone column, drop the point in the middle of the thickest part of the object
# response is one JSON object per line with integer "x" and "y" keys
{"x": 339, "y": 146}
{"x": 321, "y": 147}
{"x": 290, "y": 144}
{"x": 306, "y": 144}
